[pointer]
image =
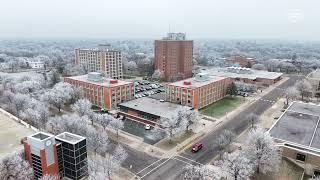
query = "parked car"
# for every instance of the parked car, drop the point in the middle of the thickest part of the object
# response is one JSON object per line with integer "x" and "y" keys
{"x": 196, "y": 147}
{"x": 147, "y": 127}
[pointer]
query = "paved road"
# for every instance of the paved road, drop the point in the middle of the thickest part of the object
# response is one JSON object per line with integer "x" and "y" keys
{"x": 136, "y": 159}
{"x": 238, "y": 124}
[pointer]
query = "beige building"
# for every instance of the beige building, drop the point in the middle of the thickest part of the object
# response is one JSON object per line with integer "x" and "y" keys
{"x": 297, "y": 132}
{"x": 314, "y": 79}
{"x": 104, "y": 59}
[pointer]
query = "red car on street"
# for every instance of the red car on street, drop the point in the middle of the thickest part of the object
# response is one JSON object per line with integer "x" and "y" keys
{"x": 196, "y": 147}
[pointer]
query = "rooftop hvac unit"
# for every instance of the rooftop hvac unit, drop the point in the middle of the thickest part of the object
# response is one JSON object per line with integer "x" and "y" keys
{"x": 202, "y": 77}
{"x": 95, "y": 76}
{"x": 186, "y": 83}
{"x": 113, "y": 81}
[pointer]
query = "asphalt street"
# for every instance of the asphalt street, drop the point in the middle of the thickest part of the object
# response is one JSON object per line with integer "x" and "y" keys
{"x": 173, "y": 168}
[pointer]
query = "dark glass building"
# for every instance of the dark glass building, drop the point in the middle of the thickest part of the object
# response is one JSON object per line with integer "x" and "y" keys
{"x": 74, "y": 154}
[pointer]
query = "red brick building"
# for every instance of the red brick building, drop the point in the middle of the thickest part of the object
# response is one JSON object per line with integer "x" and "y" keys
{"x": 199, "y": 91}
{"x": 241, "y": 61}
{"x": 103, "y": 92}
{"x": 173, "y": 56}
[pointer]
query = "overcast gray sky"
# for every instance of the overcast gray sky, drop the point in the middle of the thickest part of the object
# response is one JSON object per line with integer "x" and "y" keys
{"x": 285, "y": 19}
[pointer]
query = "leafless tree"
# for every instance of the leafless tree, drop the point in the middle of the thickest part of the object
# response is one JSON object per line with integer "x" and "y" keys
{"x": 13, "y": 167}
{"x": 304, "y": 88}
{"x": 235, "y": 166}
{"x": 291, "y": 94}
{"x": 82, "y": 107}
{"x": 262, "y": 152}
{"x": 224, "y": 140}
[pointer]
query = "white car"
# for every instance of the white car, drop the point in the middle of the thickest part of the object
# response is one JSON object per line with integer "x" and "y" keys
{"x": 147, "y": 127}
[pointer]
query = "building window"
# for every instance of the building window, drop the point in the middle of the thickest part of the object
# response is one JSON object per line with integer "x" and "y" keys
{"x": 301, "y": 157}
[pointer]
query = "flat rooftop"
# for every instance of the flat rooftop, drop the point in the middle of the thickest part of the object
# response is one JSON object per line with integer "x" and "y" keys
{"x": 11, "y": 134}
{"x": 195, "y": 83}
{"x": 251, "y": 73}
{"x": 299, "y": 124}
{"x": 104, "y": 82}
{"x": 70, "y": 138}
{"x": 152, "y": 106}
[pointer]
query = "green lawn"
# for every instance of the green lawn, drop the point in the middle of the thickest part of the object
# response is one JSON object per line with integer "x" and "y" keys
{"x": 219, "y": 108}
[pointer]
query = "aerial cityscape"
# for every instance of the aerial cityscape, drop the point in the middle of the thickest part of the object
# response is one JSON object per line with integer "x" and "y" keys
{"x": 159, "y": 90}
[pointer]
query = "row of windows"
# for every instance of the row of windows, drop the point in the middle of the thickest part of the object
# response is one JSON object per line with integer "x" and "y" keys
{"x": 74, "y": 167}
{"x": 74, "y": 160}
{"x": 74, "y": 153}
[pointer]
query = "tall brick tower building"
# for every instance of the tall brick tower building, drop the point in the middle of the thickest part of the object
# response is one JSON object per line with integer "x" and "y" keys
{"x": 173, "y": 56}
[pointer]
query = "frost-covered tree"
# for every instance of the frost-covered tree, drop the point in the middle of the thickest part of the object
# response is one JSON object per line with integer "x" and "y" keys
{"x": 97, "y": 140}
{"x": 235, "y": 166}
{"x": 258, "y": 67}
{"x": 106, "y": 165}
{"x": 120, "y": 154}
{"x": 52, "y": 78}
{"x": 158, "y": 75}
{"x": 15, "y": 103}
{"x": 13, "y": 167}
{"x": 104, "y": 120}
{"x": 174, "y": 124}
{"x": 291, "y": 94}
{"x": 253, "y": 119}
{"x": 192, "y": 117}
{"x": 224, "y": 140}
{"x": 262, "y": 152}
{"x": 59, "y": 95}
{"x": 37, "y": 114}
{"x": 117, "y": 124}
{"x": 304, "y": 88}
{"x": 131, "y": 66}
{"x": 82, "y": 107}
{"x": 202, "y": 172}
{"x": 68, "y": 122}
{"x": 13, "y": 64}
{"x": 27, "y": 87}
{"x": 232, "y": 89}
{"x": 50, "y": 177}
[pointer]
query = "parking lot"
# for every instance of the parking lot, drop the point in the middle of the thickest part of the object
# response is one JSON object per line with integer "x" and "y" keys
{"x": 145, "y": 88}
